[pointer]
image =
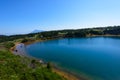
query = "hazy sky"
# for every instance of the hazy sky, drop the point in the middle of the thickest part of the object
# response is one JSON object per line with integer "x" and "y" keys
{"x": 23, "y": 16}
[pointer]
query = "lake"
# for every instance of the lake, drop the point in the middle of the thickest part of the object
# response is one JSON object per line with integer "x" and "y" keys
{"x": 96, "y": 58}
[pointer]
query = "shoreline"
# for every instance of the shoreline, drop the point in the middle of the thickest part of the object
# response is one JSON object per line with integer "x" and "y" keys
{"x": 90, "y": 36}
{"x": 66, "y": 74}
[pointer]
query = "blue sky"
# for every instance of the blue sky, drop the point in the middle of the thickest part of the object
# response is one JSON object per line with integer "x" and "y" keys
{"x": 23, "y": 16}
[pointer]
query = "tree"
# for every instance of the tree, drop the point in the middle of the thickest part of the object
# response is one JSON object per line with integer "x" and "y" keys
{"x": 49, "y": 66}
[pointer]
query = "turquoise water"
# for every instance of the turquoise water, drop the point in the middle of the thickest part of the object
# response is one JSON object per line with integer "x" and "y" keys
{"x": 95, "y": 58}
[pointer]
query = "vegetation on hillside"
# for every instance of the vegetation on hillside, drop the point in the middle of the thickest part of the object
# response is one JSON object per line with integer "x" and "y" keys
{"x": 8, "y": 45}
{"x": 115, "y": 30}
{"x": 22, "y": 68}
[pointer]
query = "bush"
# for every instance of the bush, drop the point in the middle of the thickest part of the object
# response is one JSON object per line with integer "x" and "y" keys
{"x": 24, "y": 40}
{"x": 9, "y": 45}
{"x": 49, "y": 66}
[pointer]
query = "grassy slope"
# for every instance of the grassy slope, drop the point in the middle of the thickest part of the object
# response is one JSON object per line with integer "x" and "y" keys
{"x": 17, "y": 68}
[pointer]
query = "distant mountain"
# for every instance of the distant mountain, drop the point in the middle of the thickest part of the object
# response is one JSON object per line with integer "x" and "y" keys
{"x": 37, "y": 31}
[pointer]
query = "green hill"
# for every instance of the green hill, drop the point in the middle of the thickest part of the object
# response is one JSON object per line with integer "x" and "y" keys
{"x": 19, "y": 68}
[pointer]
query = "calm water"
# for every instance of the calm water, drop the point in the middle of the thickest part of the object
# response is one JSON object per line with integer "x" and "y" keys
{"x": 93, "y": 58}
